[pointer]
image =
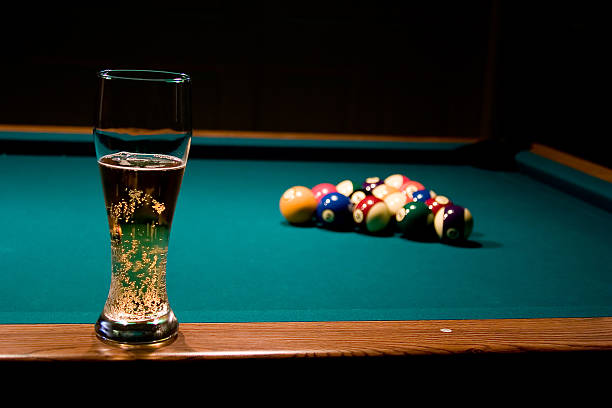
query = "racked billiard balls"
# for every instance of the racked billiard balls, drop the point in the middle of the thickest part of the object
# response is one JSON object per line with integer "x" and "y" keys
{"x": 298, "y": 204}
{"x": 383, "y": 190}
{"x": 396, "y": 180}
{"x": 410, "y": 187}
{"x": 453, "y": 223}
{"x": 371, "y": 214}
{"x": 323, "y": 189}
{"x": 423, "y": 195}
{"x": 335, "y": 211}
{"x": 395, "y": 201}
{"x": 347, "y": 187}
{"x": 436, "y": 203}
{"x": 415, "y": 219}
{"x": 370, "y": 184}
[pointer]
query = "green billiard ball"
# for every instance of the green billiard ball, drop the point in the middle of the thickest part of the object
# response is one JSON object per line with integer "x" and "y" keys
{"x": 415, "y": 219}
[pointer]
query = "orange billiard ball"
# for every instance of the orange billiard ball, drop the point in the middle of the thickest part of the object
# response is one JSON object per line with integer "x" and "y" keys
{"x": 298, "y": 204}
{"x": 410, "y": 187}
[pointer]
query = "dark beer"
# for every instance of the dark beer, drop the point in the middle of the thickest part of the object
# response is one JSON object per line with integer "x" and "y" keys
{"x": 140, "y": 191}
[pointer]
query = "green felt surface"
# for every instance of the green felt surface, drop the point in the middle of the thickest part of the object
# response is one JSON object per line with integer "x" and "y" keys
{"x": 588, "y": 188}
{"x": 538, "y": 251}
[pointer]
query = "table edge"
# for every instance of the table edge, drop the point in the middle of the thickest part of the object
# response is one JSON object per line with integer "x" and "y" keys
{"x": 582, "y": 165}
{"x": 569, "y": 160}
{"x": 241, "y": 134}
{"x": 223, "y": 341}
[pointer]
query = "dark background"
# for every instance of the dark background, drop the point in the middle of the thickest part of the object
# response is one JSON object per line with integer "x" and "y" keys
{"x": 516, "y": 72}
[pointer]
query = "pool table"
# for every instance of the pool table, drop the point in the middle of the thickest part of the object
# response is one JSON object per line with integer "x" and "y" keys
{"x": 535, "y": 276}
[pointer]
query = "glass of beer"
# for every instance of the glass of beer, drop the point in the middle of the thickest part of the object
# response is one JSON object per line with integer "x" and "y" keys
{"x": 142, "y": 135}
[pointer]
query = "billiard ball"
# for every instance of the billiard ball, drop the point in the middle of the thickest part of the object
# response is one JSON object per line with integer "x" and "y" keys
{"x": 323, "y": 189}
{"x": 415, "y": 219}
{"x": 383, "y": 190}
{"x": 347, "y": 187}
{"x": 298, "y": 204}
{"x": 410, "y": 187}
{"x": 335, "y": 211}
{"x": 437, "y": 202}
{"x": 358, "y": 195}
{"x": 395, "y": 201}
{"x": 423, "y": 195}
{"x": 371, "y": 214}
{"x": 453, "y": 223}
{"x": 396, "y": 180}
{"x": 370, "y": 183}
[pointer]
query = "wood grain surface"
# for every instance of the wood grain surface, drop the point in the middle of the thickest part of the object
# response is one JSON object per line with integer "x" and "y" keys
{"x": 198, "y": 341}
{"x": 585, "y": 166}
{"x": 241, "y": 134}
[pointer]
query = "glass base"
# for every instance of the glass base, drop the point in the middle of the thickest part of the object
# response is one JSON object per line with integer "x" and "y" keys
{"x": 160, "y": 330}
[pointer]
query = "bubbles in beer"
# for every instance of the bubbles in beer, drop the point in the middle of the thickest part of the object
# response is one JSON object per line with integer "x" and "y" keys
{"x": 140, "y": 193}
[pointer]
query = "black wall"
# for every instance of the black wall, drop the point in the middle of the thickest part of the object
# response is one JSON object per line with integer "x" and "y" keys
{"x": 551, "y": 76}
{"x": 508, "y": 71}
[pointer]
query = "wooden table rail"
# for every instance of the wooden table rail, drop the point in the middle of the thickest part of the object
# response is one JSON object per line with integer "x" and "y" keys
{"x": 197, "y": 341}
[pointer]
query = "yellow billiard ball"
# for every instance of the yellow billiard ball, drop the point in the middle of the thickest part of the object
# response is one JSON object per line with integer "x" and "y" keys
{"x": 396, "y": 180}
{"x": 383, "y": 190}
{"x": 298, "y": 204}
{"x": 395, "y": 201}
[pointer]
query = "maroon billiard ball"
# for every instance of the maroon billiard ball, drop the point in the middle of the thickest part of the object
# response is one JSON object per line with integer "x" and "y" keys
{"x": 437, "y": 202}
{"x": 453, "y": 223}
{"x": 371, "y": 183}
{"x": 372, "y": 214}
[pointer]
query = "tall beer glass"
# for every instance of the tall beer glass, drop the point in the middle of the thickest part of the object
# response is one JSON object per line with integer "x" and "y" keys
{"x": 142, "y": 136}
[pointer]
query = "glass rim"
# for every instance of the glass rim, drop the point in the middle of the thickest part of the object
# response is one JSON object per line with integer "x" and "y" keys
{"x": 144, "y": 75}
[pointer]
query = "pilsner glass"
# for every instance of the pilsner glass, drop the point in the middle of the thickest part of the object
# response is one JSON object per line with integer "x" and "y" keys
{"x": 142, "y": 136}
